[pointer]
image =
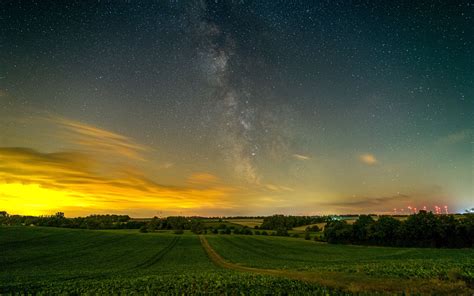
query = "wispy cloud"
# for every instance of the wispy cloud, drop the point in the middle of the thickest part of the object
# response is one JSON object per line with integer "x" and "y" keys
{"x": 426, "y": 196}
{"x": 367, "y": 201}
{"x": 96, "y": 171}
{"x": 202, "y": 178}
{"x": 368, "y": 159}
{"x": 301, "y": 157}
{"x": 278, "y": 188}
{"x": 99, "y": 140}
{"x": 36, "y": 182}
{"x": 166, "y": 165}
{"x": 456, "y": 137}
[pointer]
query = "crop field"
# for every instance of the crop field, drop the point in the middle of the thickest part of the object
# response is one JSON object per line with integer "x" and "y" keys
{"x": 94, "y": 254}
{"x": 217, "y": 224}
{"x": 410, "y": 269}
{"x": 56, "y": 261}
{"x": 247, "y": 222}
{"x": 38, "y": 260}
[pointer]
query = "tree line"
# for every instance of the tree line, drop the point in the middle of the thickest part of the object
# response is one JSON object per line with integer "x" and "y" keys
{"x": 419, "y": 230}
{"x": 280, "y": 222}
{"x": 195, "y": 224}
{"x": 59, "y": 220}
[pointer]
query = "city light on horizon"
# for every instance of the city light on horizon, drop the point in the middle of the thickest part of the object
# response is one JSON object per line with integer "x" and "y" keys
{"x": 222, "y": 108}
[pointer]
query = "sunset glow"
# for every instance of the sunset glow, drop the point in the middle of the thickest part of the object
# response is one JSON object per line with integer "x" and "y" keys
{"x": 225, "y": 109}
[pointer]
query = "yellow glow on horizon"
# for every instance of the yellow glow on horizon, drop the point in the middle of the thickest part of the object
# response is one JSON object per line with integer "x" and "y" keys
{"x": 78, "y": 183}
{"x": 33, "y": 199}
{"x": 97, "y": 171}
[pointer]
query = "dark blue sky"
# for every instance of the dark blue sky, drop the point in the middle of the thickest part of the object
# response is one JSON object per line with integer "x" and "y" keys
{"x": 307, "y": 104}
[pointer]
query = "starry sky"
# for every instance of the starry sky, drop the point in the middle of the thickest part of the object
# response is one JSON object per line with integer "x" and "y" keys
{"x": 235, "y": 107}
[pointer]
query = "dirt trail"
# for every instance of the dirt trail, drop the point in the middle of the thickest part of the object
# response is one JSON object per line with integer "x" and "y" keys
{"x": 349, "y": 282}
{"x": 219, "y": 261}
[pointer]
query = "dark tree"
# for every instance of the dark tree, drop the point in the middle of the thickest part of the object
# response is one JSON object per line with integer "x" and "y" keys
{"x": 307, "y": 235}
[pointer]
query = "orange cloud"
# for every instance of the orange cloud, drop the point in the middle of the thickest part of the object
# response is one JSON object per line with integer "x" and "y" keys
{"x": 41, "y": 183}
{"x": 277, "y": 188}
{"x": 96, "y": 172}
{"x": 166, "y": 165}
{"x": 368, "y": 159}
{"x": 301, "y": 156}
{"x": 100, "y": 140}
{"x": 202, "y": 178}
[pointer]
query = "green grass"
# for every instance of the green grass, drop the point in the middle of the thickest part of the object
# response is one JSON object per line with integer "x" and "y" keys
{"x": 222, "y": 283}
{"x": 217, "y": 224}
{"x": 90, "y": 253}
{"x": 73, "y": 253}
{"x": 294, "y": 254}
{"x": 251, "y": 223}
{"x": 57, "y": 261}
{"x": 37, "y": 260}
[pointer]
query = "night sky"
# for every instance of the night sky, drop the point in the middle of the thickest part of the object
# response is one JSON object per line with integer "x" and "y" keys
{"x": 235, "y": 107}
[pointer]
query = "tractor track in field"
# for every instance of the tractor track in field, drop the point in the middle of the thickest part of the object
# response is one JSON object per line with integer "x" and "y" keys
{"x": 351, "y": 283}
{"x": 221, "y": 262}
{"x": 158, "y": 256}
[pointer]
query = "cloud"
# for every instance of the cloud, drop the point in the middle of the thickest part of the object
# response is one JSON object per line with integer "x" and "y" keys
{"x": 426, "y": 196}
{"x": 202, "y": 178}
{"x": 362, "y": 202}
{"x": 278, "y": 188}
{"x": 369, "y": 204}
{"x": 456, "y": 137}
{"x": 301, "y": 156}
{"x": 99, "y": 140}
{"x": 166, "y": 165}
{"x": 368, "y": 159}
{"x": 35, "y": 182}
{"x": 96, "y": 171}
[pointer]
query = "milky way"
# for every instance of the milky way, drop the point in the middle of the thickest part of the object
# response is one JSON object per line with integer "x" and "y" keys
{"x": 241, "y": 128}
{"x": 236, "y": 107}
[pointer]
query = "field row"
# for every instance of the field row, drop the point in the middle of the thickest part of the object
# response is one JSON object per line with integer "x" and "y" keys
{"x": 52, "y": 260}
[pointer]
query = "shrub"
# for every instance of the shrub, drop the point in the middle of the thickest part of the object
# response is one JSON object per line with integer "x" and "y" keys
{"x": 282, "y": 232}
{"x": 307, "y": 236}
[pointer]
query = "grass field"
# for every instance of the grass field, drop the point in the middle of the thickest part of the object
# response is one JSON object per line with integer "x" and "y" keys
{"x": 251, "y": 223}
{"x": 70, "y": 254}
{"x": 401, "y": 268}
{"x": 57, "y": 261}
{"x": 217, "y": 224}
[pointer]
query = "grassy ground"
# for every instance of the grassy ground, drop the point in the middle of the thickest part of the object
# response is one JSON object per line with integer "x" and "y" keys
{"x": 217, "y": 224}
{"x": 36, "y": 260}
{"x": 251, "y": 223}
{"x": 62, "y": 261}
{"x": 357, "y": 267}
{"x": 91, "y": 254}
